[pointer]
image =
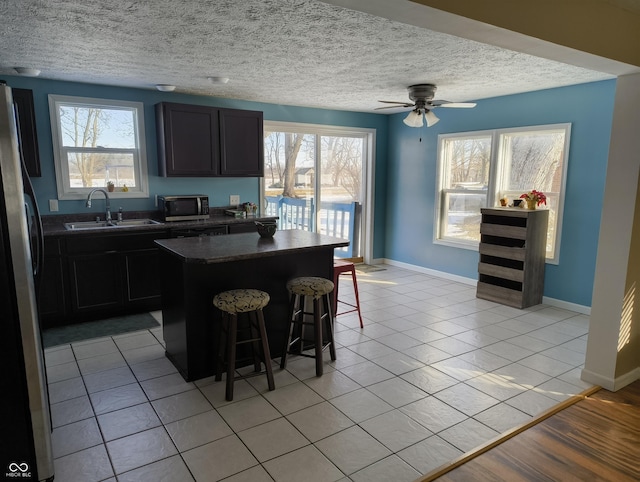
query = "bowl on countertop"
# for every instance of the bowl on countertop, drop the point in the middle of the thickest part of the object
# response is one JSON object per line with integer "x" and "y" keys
{"x": 266, "y": 229}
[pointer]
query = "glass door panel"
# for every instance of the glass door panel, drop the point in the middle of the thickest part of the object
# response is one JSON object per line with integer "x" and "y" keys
{"x": 340, "y": 187}
{"x": 289, "y": 179}
{"x": 315, "y": 182}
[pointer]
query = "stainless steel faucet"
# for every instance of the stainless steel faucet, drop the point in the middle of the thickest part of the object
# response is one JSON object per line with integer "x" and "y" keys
{"x": 108, "y": 202}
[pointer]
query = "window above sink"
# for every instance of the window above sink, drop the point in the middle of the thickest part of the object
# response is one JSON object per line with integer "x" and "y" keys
{"x": 98, "y": 143}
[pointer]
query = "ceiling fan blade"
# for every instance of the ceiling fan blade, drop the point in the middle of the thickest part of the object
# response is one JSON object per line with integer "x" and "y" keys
{"x": 457, "y": 105}
{"x": 403, "y": 103}
{"x": 394, "y": 107}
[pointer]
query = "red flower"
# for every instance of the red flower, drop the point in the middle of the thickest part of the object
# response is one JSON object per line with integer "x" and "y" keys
{"x": 536, "y": 196}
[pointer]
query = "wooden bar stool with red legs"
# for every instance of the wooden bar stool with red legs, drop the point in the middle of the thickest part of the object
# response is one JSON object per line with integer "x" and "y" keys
{"x": 344, "y": 267}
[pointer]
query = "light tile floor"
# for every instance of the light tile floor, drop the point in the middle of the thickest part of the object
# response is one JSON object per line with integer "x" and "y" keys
{"x": 434, "y": 373}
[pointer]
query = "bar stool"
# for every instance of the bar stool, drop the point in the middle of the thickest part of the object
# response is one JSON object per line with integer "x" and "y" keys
{"x": 319, "y": 289}
{"x": 343, "y": 267}
{"x": 233, "y": 303}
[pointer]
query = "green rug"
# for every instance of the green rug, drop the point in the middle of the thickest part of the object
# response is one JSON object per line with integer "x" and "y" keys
{"x": 96, "y": 329}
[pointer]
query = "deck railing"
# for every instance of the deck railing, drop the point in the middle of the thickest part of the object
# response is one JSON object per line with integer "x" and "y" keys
{"x": 334, "y": 219}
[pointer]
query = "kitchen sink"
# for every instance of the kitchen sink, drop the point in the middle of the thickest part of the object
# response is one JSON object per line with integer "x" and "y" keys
{"x": 135, "y": 222}
{"x": 127, "y": 223}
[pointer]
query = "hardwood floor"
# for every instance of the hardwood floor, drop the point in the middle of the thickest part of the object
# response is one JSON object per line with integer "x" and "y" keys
{"x": 595, "y": 439}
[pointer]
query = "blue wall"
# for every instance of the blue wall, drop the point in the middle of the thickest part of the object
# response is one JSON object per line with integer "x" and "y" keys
{"x": 411, "y": 181}
{"x": 405, "y": 169}
{"x": 218, "y": 189}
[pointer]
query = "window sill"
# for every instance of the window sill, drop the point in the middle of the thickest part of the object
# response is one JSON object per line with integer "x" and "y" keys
{"x": 75, "y": 195}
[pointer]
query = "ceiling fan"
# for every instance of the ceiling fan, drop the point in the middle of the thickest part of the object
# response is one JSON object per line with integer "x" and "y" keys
{"x": 423, "y": 103}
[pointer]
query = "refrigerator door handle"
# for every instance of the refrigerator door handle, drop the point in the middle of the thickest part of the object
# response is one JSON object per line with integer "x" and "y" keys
{"x": 38, "y": 249}
{"x": 36, "y": 244}
{"x": 27, "y": 213}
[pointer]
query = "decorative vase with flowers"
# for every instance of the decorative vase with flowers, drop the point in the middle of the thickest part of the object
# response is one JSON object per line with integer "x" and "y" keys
{"x": 534, "y": 198}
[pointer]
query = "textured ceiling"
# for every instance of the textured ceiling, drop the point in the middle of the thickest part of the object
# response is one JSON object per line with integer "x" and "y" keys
{"x": 293, "y": 52}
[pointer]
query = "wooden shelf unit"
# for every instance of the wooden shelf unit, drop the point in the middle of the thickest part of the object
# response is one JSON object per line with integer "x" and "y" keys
{"x": 512, "y": 256}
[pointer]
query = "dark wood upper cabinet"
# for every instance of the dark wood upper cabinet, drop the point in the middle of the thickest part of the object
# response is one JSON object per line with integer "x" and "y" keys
{"x": 188, "y": 140}
{"x": 241, "y": 143}
{"x": 200, "y": 141}
{"x": 26, "y": 123}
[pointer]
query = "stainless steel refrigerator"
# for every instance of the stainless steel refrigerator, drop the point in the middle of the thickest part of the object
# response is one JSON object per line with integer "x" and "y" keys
{"x": 25, "y": 422}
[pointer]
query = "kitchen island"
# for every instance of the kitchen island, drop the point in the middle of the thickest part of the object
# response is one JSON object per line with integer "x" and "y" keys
{"x": 195, "y": 269}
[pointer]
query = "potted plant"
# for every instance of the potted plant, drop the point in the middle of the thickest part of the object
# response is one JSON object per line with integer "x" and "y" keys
{"x": 534, "y": 198}
{"x": 110, "y": 186}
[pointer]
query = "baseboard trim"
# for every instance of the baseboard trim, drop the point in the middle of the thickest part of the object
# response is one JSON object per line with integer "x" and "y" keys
{"x": 464, "y": 458}
{"x": 566, "y": 305}
{"x": 429, "y": 271}
{"x": 611, "y": 384}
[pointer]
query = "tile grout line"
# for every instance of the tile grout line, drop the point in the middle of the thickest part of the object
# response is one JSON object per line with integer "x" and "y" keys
{"x": 457, "y": 381}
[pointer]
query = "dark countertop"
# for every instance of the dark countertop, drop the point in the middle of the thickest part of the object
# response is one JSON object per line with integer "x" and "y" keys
{"x": 53, "y": 225}
{"x": 234, "y": 247}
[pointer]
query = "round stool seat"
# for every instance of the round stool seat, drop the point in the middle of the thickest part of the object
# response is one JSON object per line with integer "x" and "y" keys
{"x": 241, "y": 300}
{"x": 310, "y": 286}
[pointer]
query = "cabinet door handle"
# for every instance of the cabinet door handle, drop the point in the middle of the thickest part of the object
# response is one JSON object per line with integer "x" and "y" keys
{"x": 113, "y": 251}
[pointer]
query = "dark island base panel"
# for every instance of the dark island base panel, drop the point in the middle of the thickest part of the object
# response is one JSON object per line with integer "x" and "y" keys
{"x": 188, "y": 314}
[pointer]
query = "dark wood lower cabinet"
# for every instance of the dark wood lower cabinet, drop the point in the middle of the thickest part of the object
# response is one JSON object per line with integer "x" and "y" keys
{"x": 95, "y": 283}
{"x": 96, "y": 276}
{"x": 53, "y": 295}
{"x": 142, "y": 277}
{"x": 91, "y": 277}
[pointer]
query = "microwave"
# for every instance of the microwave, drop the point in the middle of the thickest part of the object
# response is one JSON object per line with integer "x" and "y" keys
{"x": 184, "y": 208}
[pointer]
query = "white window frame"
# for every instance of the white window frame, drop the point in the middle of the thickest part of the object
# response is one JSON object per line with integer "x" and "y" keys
{"x": 65, "y": 191}
{"x": 368, "y": 164}
{"x": 496, "y": 175}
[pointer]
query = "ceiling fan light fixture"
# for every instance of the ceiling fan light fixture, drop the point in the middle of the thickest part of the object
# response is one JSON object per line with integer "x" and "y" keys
{"x": 414, "y": 119}
{"x": 431, "y": 118}
{"x": 422, "y": 97}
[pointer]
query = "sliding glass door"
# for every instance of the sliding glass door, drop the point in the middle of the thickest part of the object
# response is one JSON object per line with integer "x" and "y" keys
{"x": 314, "y": 180}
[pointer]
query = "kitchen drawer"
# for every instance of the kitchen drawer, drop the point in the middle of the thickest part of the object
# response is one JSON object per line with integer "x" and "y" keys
{"x": 110, "y": 242}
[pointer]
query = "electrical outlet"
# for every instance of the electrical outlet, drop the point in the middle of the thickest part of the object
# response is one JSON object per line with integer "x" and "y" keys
{"x": 234, "y": 199}
{"x": 53, "y": 205}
